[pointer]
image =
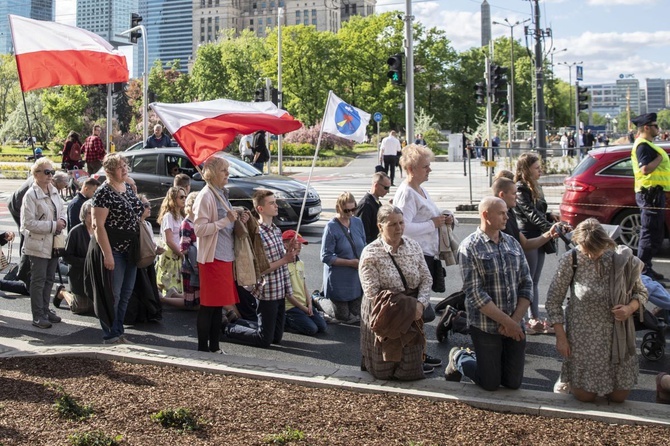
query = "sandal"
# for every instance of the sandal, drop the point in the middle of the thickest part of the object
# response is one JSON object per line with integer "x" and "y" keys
{"x": 548, "y": 328}
{"x": 536, "y": 325}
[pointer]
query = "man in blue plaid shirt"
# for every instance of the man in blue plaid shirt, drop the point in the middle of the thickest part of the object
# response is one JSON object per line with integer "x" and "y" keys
{"x": 498, "y": 290}
{"x": 276, "y": 284}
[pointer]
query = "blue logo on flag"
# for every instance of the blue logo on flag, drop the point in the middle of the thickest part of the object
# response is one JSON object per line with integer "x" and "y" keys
{"x": 347, "y": 119}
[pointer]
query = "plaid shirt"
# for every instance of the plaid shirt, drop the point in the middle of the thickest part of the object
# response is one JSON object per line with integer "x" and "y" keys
{"x": 93, "y": 149}
{"x": 277, "y": 284}
{"x": 493, "y": 272}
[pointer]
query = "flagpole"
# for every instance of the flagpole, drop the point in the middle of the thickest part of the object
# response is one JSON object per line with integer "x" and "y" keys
{"x": 30, "y": 132}
{"x": 23, "y": 94}
{"x": 311, "y": 170}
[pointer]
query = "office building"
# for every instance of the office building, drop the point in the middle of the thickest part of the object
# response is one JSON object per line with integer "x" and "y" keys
{"x": 604, "y": 99}
{"x": 628, "y": 92}
{"x": 34, "y": 9}
{"x": 656, "y": 95}
{"x": 106, "y": 18}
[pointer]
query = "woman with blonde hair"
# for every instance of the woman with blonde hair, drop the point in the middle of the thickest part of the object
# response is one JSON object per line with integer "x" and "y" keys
{"x": 596, "y": 335}
{"x": 171, "y": 215}
{"x": 341, "y": 246}
{"x": 534, "y": 220}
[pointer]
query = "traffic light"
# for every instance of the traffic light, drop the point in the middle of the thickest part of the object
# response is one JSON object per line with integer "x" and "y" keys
{"x": 395, "y": 69}
{"x": 480, "y": 93}
{"x": 582, "y": 98}
{"x": 259, "y": 95}
{"x": 504, "y": 110}
{"x": 274, "y": 96}
{"x": 498, "y": 83}
{"x": 135, "y": 20}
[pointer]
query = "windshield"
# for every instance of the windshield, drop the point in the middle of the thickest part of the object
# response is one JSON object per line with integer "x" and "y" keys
{"x": 239, "y": 168}
{"x": 582, "y": 167}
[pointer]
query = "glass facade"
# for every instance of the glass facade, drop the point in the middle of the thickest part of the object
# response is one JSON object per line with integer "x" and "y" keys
{"x": 36, "y": 9}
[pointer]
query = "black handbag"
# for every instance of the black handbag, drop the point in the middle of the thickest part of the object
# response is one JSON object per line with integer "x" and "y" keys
{"x": 551, "y": 247}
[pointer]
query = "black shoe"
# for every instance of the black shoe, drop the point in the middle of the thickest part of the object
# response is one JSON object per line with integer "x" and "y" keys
{"x": 438, "y": 284}
{"x": 451, "y": 373}
{"x": 444, "y": 325}
{"x": 57, "y": 299}
{"x": 431, "y": 361}
{"x": 427, "y": 370}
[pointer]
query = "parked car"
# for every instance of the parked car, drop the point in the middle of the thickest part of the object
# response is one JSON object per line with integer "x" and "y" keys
{"x": 601, "y": 186}
{"x": 149, "y": 168}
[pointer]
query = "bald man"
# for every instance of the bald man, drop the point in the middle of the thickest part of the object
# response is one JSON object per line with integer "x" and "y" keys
{"x": 498, "y": 290}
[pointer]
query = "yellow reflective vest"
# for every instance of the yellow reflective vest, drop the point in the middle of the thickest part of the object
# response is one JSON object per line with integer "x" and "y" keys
{"x": 659, "y": 177}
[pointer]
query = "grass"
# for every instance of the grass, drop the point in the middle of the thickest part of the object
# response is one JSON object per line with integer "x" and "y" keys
{"x": 69, "y": 408}
{"x": 94, "y": 438}
{"x": 181, "y": 419}
{"x": 285, "y": 437}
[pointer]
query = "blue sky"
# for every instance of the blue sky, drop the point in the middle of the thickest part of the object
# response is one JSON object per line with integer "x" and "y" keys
{"x": 610, "y": 37}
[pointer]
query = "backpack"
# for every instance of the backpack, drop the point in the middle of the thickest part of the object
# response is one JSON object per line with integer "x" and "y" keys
{"x": 75, "y": 151}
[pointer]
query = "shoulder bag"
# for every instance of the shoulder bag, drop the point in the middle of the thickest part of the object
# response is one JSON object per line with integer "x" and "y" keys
{"x": 145, "y": 250}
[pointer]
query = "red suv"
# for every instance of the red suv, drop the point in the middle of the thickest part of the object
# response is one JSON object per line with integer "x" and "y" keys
{"x": 601, "y": 186}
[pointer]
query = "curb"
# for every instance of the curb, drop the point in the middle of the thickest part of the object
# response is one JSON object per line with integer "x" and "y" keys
{"x": 528, "y": 402}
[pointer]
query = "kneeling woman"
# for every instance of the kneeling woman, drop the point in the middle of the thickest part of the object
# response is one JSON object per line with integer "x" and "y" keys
{"x": 598, "y": 341}
{"x": 393, "y": 342}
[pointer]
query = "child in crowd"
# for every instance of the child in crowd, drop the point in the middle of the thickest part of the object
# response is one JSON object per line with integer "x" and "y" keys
{"x": 168, "y": 270}
{"x": 189, "y": 269}
{"x": 300, "y": 314}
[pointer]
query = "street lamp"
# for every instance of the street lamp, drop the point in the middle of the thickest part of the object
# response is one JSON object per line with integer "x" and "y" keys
{"x": 511, "y": 68}
{"x": 145, "y": 78}
{"x": 570, "y": 65}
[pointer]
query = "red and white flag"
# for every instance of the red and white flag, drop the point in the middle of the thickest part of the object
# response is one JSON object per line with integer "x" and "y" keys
{"x": 50, "y": 54}
{"x": 204, "y": 128}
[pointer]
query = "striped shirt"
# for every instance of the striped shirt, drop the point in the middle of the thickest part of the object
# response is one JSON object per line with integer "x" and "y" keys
{"x": 496, "y": 272}
{"x": 277, "y": 284}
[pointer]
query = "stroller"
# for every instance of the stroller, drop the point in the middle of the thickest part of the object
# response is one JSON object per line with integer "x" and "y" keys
{"x": 655, "y": 314}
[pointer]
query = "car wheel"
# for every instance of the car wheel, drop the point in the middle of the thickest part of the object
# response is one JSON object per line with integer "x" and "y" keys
{"x": 629, "y": 222}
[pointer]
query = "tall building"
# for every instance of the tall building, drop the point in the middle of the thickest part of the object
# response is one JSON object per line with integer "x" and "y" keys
{"x": 106, "y": 18}
{"x": 169, "y": 25}
{"x": 604, "y": 99}
{"x": 628, "y": 92}
{"x": 656, "y": 95}
{"x": 35, "y": 9}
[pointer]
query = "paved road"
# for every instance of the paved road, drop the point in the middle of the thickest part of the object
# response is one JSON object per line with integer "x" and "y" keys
{"x": 340, "y": 345}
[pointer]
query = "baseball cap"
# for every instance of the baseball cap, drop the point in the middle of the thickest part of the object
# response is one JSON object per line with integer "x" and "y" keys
{"x": 290, "y": 234}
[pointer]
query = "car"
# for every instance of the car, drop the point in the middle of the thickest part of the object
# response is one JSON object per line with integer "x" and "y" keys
{"x": 601, "y": 186}
{"x": 139, "y": 145}
{"x": 149, "y": 168}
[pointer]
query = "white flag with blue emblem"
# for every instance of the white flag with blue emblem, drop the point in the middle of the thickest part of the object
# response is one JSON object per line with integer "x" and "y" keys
{"x": 344, "y": 120}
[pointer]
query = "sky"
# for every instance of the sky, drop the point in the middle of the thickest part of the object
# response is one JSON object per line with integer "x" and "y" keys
{"x": 610, "y": 37}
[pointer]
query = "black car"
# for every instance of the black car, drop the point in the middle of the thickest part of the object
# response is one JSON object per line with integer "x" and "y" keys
{"x": 150, "y": 169}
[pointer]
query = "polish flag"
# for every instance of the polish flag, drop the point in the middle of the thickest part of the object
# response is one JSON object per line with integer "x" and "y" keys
{"x": 50, "y": 54}
{"x": 204, "y": 128}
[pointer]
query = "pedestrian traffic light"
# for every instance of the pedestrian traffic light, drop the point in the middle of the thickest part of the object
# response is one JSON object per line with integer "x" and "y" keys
{"x": 504, "y": 110}
{"x": 498, "y": 83}
{"x": 395, "y": 69}
{"x": 480, "y": 92}
{"x": 274, "y": 96}
{"x": 582, "y": 98}
{"x": 259, "y": 95}
{"x": 135, "y": 20}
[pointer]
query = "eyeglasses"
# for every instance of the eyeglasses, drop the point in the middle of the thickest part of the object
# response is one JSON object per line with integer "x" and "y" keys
{"x": 46, "y": 172}
{"x": 384, "y": 187}
{"x": 349, "y": 211}
{"x": 146, "y": 205}
{"x": 653, "y": 125}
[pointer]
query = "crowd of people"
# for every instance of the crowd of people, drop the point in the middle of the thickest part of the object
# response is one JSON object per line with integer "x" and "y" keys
{"x": 381, "y": 262}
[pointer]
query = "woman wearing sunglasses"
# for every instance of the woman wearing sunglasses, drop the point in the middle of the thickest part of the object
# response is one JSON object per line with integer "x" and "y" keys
{"x": 341, "y": 247}
{"x": 42, "y": 218}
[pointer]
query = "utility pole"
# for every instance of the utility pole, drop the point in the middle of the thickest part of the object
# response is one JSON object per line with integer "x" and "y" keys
{"x": 280, "y": 99}
{"x": 409, "y": 78}
{"x": 540, "y": 113}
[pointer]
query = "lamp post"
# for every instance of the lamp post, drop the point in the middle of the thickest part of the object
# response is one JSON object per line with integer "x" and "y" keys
{"x": 280, "y": 99}
{"x": 145, "y": 79}
{"x": 570, "y": 65}
{"x": 553, "y": 83}
{"x": 511, "y": 68}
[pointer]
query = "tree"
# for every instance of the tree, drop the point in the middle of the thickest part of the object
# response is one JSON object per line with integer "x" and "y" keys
{"x": 65, "y": 107}
{"x": 663, "y": 119}
{"x": 16, "y": 126}
{"x": 207, "y": 80}
{"x": 10, "y": 92}
{"x": 124, "y": 111}
{"x": 169, "y": 85}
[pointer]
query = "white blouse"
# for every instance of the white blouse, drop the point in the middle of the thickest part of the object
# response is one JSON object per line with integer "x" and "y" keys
{"x": 418, "y": 212}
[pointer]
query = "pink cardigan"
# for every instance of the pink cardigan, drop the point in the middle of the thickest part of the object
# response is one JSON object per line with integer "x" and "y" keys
{"x": 207, "y": 224}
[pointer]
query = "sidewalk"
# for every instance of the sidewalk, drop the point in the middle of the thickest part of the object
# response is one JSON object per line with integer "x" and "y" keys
{"x": 511, "y": 401}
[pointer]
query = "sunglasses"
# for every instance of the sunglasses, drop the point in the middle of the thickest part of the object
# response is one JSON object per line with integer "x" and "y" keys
{"x": 146, "y": 205}
{"x": 385, "y": 187}
{"x": 653, "y": 125}
{"x": 348, "y": 211}
{"x": 182, "y": 197}
{"x": 47, "y": 172}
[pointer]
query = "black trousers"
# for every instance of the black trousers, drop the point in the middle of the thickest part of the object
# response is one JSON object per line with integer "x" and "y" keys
{"x": 389, "y": 166}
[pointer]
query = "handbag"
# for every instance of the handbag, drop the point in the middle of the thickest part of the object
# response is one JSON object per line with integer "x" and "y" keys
{"x": 551, "y": 247}
{"x": 146, "y": 250}
{"x": 58, "y": 249}
{"x": 4, "y": 261}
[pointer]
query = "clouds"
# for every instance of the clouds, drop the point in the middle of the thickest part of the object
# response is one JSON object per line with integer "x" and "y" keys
{"x": 619, "y": 2}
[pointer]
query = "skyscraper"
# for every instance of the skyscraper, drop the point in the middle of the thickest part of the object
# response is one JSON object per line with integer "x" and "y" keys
{"x": 106, "y": 18}
{"x": 656, "y": 95}
{"x": 169, "y": 25}
{"x": 35, "y": 9}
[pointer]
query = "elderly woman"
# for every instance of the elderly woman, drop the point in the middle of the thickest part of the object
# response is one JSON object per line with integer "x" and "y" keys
{"x": 596, "y": 336}
{"x": 422, "y": 216}
{"x": 42, "y": 218}
{"x": 533, "y": 219}
{"x": 78, "y": 240}
{"x": 110, "y": 262}
{"x": 341, "y": 246}
{"x": 395, "y": 263}
{"x": 213, "y": 224}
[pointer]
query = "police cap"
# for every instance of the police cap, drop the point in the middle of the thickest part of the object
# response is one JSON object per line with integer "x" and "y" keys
{"x": 645, "y": 119}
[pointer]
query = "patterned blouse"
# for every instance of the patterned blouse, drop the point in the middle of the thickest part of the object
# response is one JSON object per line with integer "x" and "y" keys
{"x": 377, "y": 271}
{"x": 125, "y": 210}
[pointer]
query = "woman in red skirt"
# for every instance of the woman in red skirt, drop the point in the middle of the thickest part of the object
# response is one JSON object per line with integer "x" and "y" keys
{"x": 213, "y": 224}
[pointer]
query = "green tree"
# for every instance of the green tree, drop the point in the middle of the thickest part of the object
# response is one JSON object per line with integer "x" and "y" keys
{"x": 207, "y": 78}
{"x": 169, "y": 85}
{"x": 16, "y": 126}
{"x": 461, "y": 110}
{"x": 65, "y": 106}
{"x": 10, "y": 92}
{"x": 663, "y": 119}
{"x": 124, "y": 111}
{"x": 243, "y": 59}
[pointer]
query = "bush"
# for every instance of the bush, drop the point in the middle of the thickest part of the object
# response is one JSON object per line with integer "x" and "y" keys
{"x": 181, "y": 419}
{"x": 67, "y": 407}
{"x": 285, "y": 437}
{"x": 94, "y": 438}
{"x": 310, "y": 135}
{"x": 298, "y": 149}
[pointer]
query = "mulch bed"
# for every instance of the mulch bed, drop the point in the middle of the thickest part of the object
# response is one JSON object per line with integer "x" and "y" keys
{"x": 241, "y": 411}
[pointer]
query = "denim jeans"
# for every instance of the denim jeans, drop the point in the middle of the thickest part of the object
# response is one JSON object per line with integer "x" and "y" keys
{"x": 535, "y": 259}
{"x": 267, "y": 330}
{"x": 42, "y": 273}
{"x": 123, "y": 282}
{"x": 298, "y": 320}
{"x": 498, "y": 360}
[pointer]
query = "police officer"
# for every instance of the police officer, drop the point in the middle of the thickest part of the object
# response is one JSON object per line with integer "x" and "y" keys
{"x": 651, "y": 167}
